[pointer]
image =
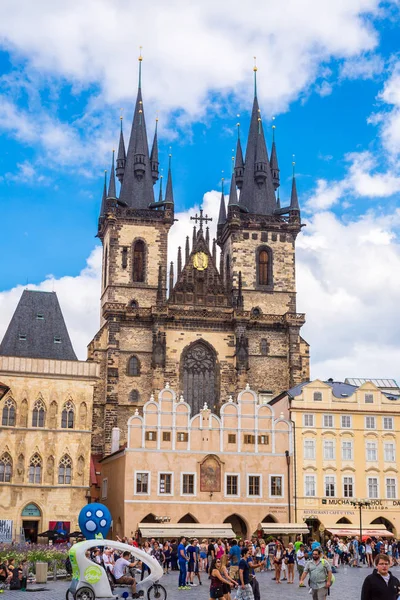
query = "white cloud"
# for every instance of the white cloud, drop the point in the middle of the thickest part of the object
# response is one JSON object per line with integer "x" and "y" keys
{"x": 362, "y": 67}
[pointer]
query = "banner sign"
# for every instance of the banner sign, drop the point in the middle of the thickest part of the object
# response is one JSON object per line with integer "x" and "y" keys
{"x": 6, "y": 527}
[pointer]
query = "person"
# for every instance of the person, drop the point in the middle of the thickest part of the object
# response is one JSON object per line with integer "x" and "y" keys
{"x": 119, "y": 572}
{"x": 167, "y": 557}
{"x": 24, "y": 575}
{"x": 210, "y": 554}
{"x": 381, "y": 584}
{"x": 319, "y": 571}
{"x": 217, "y": 580}
{"x": 253, "y": 581}
{"x": 203, "y": 555}
{"x": 193, "y": 552}
{"x": 148, "y": 549}
{"x": 108, "y": 559}
{"x": 301, "y": 561}
{"x": 224, "y": 571}
{"x": 4, "y": 572}
{"x": 278, "y": 560}
{"x": 174, "y": 556}
{"x": 234, "y": 558}
{"x": 157, "y": 553}
{"x": 15, "y": 583}
{"x": 182, "y": 562}
{"x": 245, "y": 591}
{"x": 289, "y": 560}
{"x": 298, "y": 542}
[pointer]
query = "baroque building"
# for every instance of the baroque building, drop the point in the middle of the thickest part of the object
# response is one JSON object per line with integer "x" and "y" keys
{"x": 225, "y": 322}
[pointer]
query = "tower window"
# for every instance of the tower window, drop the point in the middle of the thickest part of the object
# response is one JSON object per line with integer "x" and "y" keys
{"x": 264, "y": 347}
{"x": 134, "y": 396}
{"x": 105, "y": 267}
{"x": 124, "y": 257}
{"x": 133, "y": 366}
{"x": 138, "y": 261}
{"x": 263, "y": 268}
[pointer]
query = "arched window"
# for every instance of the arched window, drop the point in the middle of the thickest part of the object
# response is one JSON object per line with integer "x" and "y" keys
{"x": 138, "y": 261}
{"x": 134, "y": 396}
{"x": 9, "y": 413}
{"x": 133, "y": 366}
{"x": 199, "y": 376}
{"x": 5, "y": 468}
{"x": 39, "y": 414}
{"x": 35, "y": 469}
{"x": 264, "y": 347}
{"x": 65, "y": 470}
{"x": 68, "y": 415}
{"x": 263, "y": 267}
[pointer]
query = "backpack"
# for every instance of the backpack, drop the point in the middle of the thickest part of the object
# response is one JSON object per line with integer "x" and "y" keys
{"x": 333, "y": 577}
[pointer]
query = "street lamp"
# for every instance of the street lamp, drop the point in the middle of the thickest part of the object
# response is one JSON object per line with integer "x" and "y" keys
{"x": 3, "y": 390}
{"x": 360, "y": 504}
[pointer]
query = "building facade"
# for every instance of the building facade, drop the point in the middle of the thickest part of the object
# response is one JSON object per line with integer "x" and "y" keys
{"x": 346, "y": 449}
{"x": 179, "y": 467}
{"x": 46, "y": 421}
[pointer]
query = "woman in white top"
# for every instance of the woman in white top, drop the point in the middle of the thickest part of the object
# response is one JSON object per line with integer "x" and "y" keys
{"x": 368, "y": 552}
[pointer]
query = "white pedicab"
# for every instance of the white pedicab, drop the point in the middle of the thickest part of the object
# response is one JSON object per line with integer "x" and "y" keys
{"x": 91, "y": 580}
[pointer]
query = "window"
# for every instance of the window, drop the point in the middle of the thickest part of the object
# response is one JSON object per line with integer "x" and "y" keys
{"x": 370, "y": 423}
{"x": 329, "y": 450}
{"x": 330, "y": 486}
{"x": 276, "y": 485}
{"x": 254, "y": 485}
{"x": 38, "y": 414}
{"x": 165, "y": 483}
{"x": 133, "y": 366}
{"x": 182, "y": 436}
{"x": 188, "y": 483}
{"x": 134, "y": 396}
{"x": 388, "y": 423}
{"x": 263, "y": 267}
{"x": 104, "y": 488}
{"x": 67, "y": 416}
{"x": 309, "y": 449}
{"x": 5, "y": 468}
{"x": 138, "y": 261}
{"x": 166, "y": 436}
{"x": 151, "y": 436}
{"x": 57, "y": 339}
{"x": 35, "y": 469}
{"x": 9, "y": 413}
{"x": 308, "y": 420}
{"x": 317, "y": 396}
{"x": 40, "y": 316}
{"x": 372, "y": 487}
{"x": 22, "y": 337}
{"x": 231, "y": 438}
{"x": 347, "y": 450}
{"x": 264, "y": 347}
{"x": 389, "y": 450}
{"x": 249, "y": 439}
{"x": 232, "y": 485}
{"x": 345, "y": 422}
{"x": 328, "y": 420}
{"x": 372, "y": 451}
{"x": 142, "y": 483}
{"x": 390, "y": 487}
{"x": 105, "y": 267}
{"x": 309, "y": 485}
{"x": 65, "y": 470}
{"x": 368, "y": 398}
{"x": 263, "y": 440}
{"x": 348, "y": 487}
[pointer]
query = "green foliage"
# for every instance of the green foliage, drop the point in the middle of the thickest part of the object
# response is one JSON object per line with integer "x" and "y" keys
{"x": 34, "y": 554}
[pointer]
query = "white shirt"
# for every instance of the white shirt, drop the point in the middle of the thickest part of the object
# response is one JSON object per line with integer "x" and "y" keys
{"x": 107, "y": 562}
{"x": 301, "y": 558}
{"x": 119, "y": 567}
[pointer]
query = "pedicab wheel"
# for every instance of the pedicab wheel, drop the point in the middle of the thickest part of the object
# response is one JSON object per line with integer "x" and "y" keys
{"x": 85, "y": 593}
{"x": 69, "y": 595}
{"x": 157, "y": 592}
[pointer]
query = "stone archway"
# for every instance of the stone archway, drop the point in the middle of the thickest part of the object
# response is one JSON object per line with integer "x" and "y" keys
{"x": 385, "y": 522}
{"x": 200, "y": 376}
{"x": 270, "y": 519}
{"x": 150, "y": 518}
{"x": 343, "y": 520}
{"x": 239, "y": 525}
{"x": 188, "y": 518}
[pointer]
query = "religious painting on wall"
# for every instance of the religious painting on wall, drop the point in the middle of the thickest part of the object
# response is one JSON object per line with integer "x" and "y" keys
{"x": 210, "y": 475}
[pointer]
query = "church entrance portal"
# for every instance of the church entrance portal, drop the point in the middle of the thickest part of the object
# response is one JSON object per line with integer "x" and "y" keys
{"x": 199, "y": 375}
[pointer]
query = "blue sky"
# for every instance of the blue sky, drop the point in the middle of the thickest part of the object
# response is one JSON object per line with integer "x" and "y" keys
{"x": 329, "y": 74}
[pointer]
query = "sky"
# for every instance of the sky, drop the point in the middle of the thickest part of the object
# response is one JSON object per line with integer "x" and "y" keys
{"x": 328, "y": 78}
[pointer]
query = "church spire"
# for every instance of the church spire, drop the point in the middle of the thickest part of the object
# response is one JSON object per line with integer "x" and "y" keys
{"x": 154, "y": 156}
{"x": 274, "y": 161}
{"x": 179, "y": 261}
{"x": 233, "y": 197}
{"x": 111, "y": 186}
{"x": 239, "y": 164}
{"x": 222, "y": 209}
{"x": 137, "y": 185}
{"x": 169, "y": 195}
{"x": 187, "y": 250}
{"x": 294, "y": 201}
{"x": 121, "y": 156}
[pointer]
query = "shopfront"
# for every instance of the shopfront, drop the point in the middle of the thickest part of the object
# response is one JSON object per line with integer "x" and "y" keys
{"x": 31, "y": 517}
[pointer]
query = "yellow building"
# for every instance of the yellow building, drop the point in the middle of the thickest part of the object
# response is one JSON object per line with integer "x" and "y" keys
{"x": 346, "y": 444}
{"x": 179, "y": 468}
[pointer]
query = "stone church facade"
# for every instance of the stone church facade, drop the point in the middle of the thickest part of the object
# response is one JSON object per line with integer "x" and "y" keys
{"x": 225, "y": 322}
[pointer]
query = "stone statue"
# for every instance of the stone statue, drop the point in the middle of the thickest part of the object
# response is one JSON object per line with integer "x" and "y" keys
{"x": 20, "y": 468}
{"x": 82, "y": 415}
{"x": 23, "y": 420}
{"x": 80, "y": 470}
{"x": 53, "y": 415}
{"x": 50, "y": 470}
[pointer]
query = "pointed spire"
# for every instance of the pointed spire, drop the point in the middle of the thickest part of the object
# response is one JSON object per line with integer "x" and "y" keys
{"x": 154, "y": 156}
{"x": 214, "y": 251}
{"x": 121, "y": 156}
{"x": 294, "y": 201}
{"x": 255, "y": 76}
{"x": 171, "y": 278}
{"x": 111, "y": 187}
{"x": 239, "y": 164}
{"x": 194, "y": 237}
{"x": 187, "y": 250}
{"x": 222, "y": 208}
{"x": 278, "y": 201}
{"x": 233, "y": 197}
{"x": 169, "y": 195}
{"x": 274, "y": 161}
{"x": 103, "y": 199}
{"x": 221, "y": 266}
{"x": 160, "y": 295}
{"x": 179, "y": 261}
{"x": 208, "y": 236}
{"x": 160, "y": 197}
{"x": 261, "y": 164}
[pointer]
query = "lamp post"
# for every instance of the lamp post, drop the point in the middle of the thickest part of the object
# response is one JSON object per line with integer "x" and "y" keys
{"x": 288, "y": 484}
{"x": 360, "y": 504}
{"x": 3, "y": 390}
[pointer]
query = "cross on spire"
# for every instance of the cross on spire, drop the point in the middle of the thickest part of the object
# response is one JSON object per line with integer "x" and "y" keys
{"x": 201, "y": 219}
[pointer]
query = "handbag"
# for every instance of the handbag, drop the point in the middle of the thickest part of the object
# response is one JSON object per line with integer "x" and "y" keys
{"x": 219, "y": 591}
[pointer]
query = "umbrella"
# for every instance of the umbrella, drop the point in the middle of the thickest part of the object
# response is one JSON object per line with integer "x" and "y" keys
{"x": 76, "y": 534}
{"x": 52, "y": 534}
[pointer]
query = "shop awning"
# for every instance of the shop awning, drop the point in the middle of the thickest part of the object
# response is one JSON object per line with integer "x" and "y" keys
{"x": 190, "y": 530}
{"x": 284, "y": 528}
{"x": 372, "y": 530}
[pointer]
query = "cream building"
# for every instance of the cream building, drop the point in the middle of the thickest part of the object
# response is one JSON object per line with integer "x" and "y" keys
{"x": 46, "y": 421}
{"x": 179, "y": 468}
{"x": 346, "y": 450}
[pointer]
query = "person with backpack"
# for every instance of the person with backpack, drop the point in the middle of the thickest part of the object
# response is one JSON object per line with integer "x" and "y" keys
{"x": 320, "y": 575}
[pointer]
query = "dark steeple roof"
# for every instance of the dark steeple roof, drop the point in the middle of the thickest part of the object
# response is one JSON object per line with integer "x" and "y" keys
{"x": 121, "y": 156}
{"x": 233, "y": 196}
{"x": 137, "y": 185}
{"x": 112, "y": 192}
{"x": 294, "y": 201}
{"x": 37, "y": 329}
{"x": 239, "y": 164}
{"x": 154, "y": 156}
{"x": 274, "y": 162}
{"x": 169, "y": 195}
{"x": 222, "y": 208}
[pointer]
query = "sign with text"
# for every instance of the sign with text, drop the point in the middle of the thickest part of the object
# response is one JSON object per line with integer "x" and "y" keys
{"x": 6, "y": 528}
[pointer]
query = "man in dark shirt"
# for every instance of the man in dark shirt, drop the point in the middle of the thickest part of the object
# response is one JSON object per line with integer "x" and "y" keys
{"x": 210, "y": 554}
{"x": 381, "y": 584}
{"x": 253, "y": 564}
{"x": 245, "y": 591}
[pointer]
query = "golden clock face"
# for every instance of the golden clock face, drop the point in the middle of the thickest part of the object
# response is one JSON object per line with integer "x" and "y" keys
{"x": 200, "y": 261}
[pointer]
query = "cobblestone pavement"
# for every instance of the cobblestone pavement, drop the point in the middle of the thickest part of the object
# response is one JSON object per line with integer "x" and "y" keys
{"x": 348, "y": 584}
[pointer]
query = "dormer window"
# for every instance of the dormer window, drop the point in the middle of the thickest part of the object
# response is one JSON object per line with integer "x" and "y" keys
{"x": 369, "y": 398}
{"x": 22, "y": 337}
{"x": 57, "y": 339}
{"x": 317, "y": 396}
{"x": 40, "y": 317}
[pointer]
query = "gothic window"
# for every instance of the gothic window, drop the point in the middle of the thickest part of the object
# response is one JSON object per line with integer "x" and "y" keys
{"x": 264, "y": 266}
{"x": 138, "y": 261}
{"x": 105, "y": 267}
{"x": 9, "y": 413}
{"x": 133, "y": 366}
{"x": 38, "y": 414}
{"x": 67, "y": 416}
{"x": 264, "y": 347}
{"x": 228, "y": 272}
{"x": 199, "y": 376}
{"x": 5, "y": 468}
{"x": 134, "y": 396}
{"x": 35, "y": 469}
{"x": 65, "y": 470}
